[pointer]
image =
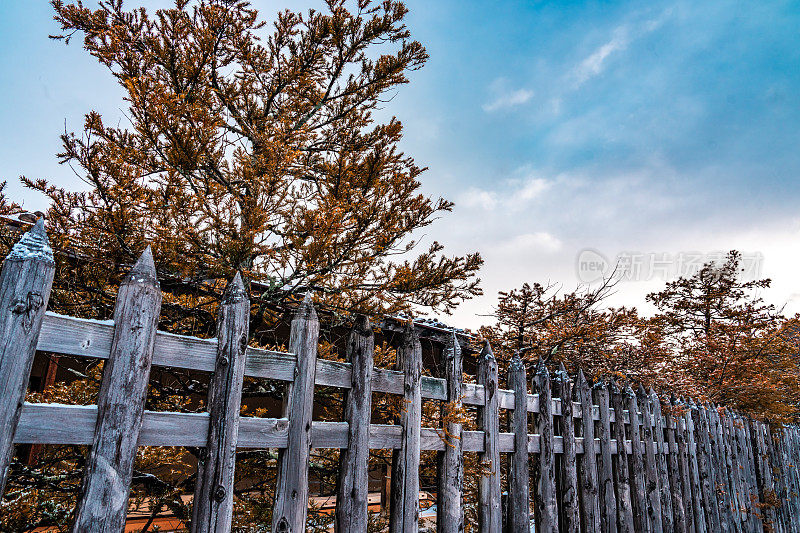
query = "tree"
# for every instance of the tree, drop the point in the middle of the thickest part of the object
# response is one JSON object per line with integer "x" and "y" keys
{"x": 258, "y": 152}
{"x": 730, "y": 345}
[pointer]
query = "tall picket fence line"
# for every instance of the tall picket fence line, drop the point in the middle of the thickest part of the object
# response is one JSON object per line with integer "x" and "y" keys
{"x": 588, "y": 458}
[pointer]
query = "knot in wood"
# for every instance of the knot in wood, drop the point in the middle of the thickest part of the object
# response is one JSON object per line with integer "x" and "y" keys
{"x": 219, "y": 493}
{"x": 223, "y": 361}
{"x": 283, "y": 526}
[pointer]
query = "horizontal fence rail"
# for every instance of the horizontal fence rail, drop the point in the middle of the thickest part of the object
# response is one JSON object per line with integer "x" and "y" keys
{"x": 599, "y": 457}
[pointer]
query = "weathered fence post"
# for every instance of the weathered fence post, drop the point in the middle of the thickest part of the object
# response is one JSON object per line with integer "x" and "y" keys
{"x": 764, "y": 473}
{"x": 489, "y": 511}
{"x": 663, "y": 474}
{"x": 587, "y": 464}
{"x": 291, "y": 493}
{"x": 103, "y": 503}
{"x": 519, "y": 475}
{"x": 25, "y": 283}
{"x": 738, "y": 515}
{"x": 352, "y": 493}
{"x": 682, "y": 459}
{"x": 701, "y": 526}
{"x": 650, "y": 463}
{"x": 639, "y": 486}
{"x": 450, "y": 515}
{"x": 622, "y": 478}
{"x": 212, "y": 509}
{"x": 727, "y": 520}
{"x": 605, "y": 468}
{"x": 569, "y": 472}
{"x": 405, "y": 464}
{"x": 546, "y": 499}
{"x": 708, "y": 479}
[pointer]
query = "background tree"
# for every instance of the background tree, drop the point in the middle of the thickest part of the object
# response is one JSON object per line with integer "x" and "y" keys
{"x": 255, "y": 151}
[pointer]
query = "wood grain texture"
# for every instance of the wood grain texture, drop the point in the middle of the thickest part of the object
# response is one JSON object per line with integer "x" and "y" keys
{"x": 668, "y": 520}
{"x": 352, "y": 489}
{"x": 569, "y": 472}
{"x": 701, "y": 525}
{"x": 605, "y": 467}
{"x": 25, "y": 282}
{"x": 404, "y": 497}
{"x": 489, "y": 511}
{"x": 655, "y": 514}
{"x": 450, "y": 513}
{"x": 622, "y": 477}
{"x": 212, "y": 508}
{"x": 546, "y": 483}
{"x": 587, "y": 464}
{"x": 682, "y": 484}
{"x": 517, "y": 519}
{"x": 706, "y": 469}
{"x": 291, "y": 493}
{"x": 103, "y": 503}
{"x": 639, "y": 482}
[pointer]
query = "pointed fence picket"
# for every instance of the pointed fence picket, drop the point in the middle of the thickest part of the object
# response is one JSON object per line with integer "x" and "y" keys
{"x": 604, "y": 459}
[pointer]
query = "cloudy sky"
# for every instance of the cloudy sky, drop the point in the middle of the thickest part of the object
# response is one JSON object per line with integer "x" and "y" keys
{"x": 659, "y": 133}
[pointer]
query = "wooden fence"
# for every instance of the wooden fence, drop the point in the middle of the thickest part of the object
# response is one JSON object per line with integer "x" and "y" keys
{"x": 598, "y": 458}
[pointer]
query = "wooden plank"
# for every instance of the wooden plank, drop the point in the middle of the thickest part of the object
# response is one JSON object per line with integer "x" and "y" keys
{"x": 701, "y": 526}
{"x": 650, "y": 463}
{"x": 668, "y": 518}
{"x": 673, "y": 466}
{"x": 352, "y": 491}
{"x": 706, "y": 469}
{"x": 25, "y": 282}
{"x": 728, "y": 520}
{"x": 92, "y": 338}
{"x": 754, "y": 511}
{"x": 103, "y": 503}
{"x": 518, "y": 520}
{"x": 212, "y": 508}
{"x": 547, "y": 511}
{"x": 569, "y": 473}
{"x": 291, "y": 492}
{"x": 404, "y": 497}
{"x": 622, "y": 477}
{"x": 489, "y": 511}
{"x": 605, "y": 467}
{"x": 766, "y": 486}
{"x": 783, "y": 520}
{"x": 679, "y": 431}
{"x": 449, "y": 512}
{"x": 734, "y": 473}
{"x": 641, "y": 520}
{"x": 587, "y": 464}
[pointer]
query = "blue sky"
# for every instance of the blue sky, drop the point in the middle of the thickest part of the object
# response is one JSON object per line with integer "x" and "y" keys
{"x": 651, "y": 127}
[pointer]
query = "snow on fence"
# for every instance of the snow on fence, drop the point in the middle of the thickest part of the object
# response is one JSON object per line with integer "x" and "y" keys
{"x": 601, "y": 458}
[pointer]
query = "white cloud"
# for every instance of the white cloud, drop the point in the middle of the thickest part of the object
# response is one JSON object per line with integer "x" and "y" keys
{"x": 505, "y": 97}
{"x": 475, "y": 197}
{"x": 594, "y": 64}
{"x": 540, "y": 241}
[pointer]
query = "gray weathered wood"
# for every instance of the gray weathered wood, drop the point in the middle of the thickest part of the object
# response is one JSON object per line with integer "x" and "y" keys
{"x": 650, "y": 463}
{"x": 622, "y": 478}
{"x": 754, "y": 513}
{"x": 668, "y": 518}
{"x": 404, "y": 497}
{"x": 291, "y": 492}
{"x": 639, "y": 486}
{"x": 734, "y": 472}
{"x": 587, "y": 464}
{"x": 519, "y": 474}
{"x": 547, "y": 514}
{"x": 675, "y": 480}
{"x": 103, "y": 503}
{"x": 25, "y": 282}
{"x": 489, "y": 511}
{"x": 701, "y": 526}
{"x": 682, "y": 455}
{"x": 764, "y": 473}
{"x": 605, "y": 467}
{"x": 569, "y": 472}
{"x": 212, "y": 509}
{"x": 706, "y": 469}
{"x": 723, "y": 488}
{"x": 450, "y": 514}
{"x": 352, "y": 490}
{"x": 782, "y": 519}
